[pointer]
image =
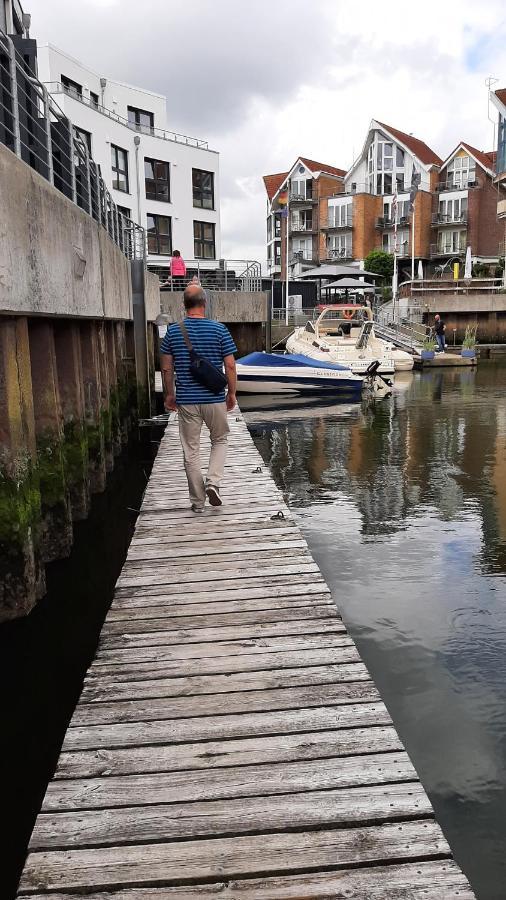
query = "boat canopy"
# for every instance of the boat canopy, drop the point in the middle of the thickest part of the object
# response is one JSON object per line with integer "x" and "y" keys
{"x": 285, "y": 361}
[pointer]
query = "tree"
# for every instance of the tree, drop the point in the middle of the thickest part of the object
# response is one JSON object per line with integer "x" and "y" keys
{"x": 380, "y": 262}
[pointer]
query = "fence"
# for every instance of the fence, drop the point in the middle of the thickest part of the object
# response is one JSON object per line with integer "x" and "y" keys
{"x": 34, "y": 127}
{"x": 214, "y": 275}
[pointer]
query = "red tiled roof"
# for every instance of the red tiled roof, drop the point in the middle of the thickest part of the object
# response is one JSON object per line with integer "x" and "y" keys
{"x": 492, "y": 155}
{"x": 419, "y": 148}
{"x": 501, "y": 95}
{"x": 322, "y": 167}
{"x": 483, "y": 158}
{"x": 273, "y": 183}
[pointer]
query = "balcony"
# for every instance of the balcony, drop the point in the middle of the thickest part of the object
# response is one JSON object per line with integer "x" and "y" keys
{"x": 306, "y": 257}
{"x": 301, "y": 199}
{"x": 456, "y": 186}
{"x": 347, "y": 223}
{"x": 340, "y": 253}
{"x": 449, "y": 219}
{"x": 386, "y": 222}
{"x": 437, "y": 250}
{"x": 501, "y": 209}
{"x": 302, "y": 226}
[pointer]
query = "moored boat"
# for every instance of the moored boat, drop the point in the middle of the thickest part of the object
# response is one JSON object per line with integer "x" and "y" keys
{"x": 294, "y": 373}
{"x": 344, "y": 334}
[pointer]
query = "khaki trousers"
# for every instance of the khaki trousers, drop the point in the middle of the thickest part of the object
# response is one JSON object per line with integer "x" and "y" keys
{"x": 191, "y": 418}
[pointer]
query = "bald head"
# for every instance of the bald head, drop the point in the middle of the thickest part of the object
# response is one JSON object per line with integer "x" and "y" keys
{"x": 194, "y": 297}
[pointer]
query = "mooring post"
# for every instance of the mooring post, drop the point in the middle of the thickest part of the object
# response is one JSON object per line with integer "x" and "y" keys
{"x": 140, "y": 338}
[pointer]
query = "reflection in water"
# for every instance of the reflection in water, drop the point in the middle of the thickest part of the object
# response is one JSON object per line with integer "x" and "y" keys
{"x": 403, "y": 502}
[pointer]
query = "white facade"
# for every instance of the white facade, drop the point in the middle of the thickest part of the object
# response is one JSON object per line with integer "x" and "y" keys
{"x": 100, "y": 108}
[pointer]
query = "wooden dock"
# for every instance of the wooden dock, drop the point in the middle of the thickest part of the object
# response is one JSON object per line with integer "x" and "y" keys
{"x": 444, "y": 360}
{"x": 229, "y": 742}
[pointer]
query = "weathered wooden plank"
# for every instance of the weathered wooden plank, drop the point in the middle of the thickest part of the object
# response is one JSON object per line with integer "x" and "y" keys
{"x": 168, "y": 607}
{"x": 139, "y": 824}
{"x": 217, "y": 754}
{"x": 226, "y": 726}
{"x": 433, "y": 880}
{"x": 136, "y": 658}
{"x": 244, "y": 549}
{"x": 169, "y": 863}
{"x": 287, "y": 586}
{"x": 237, "y": 781}
{"x": 165, "y": 573}
{"x": 271, "y": 531}
{"x": 220, "y": 665}
{"x": 216, "y": 620}
{"x": 107, "y": 690}
{"x": 204, "y": 635}
{"x": 241, "y": 701}
{"x": 225, "y": 560}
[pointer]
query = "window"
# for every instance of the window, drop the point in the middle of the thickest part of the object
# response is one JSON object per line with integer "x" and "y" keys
{"x": 269, "y": 228}
{"x": 93, "y": 99}
{"x": 451, "y": 241}
{"x": 72, "y": 87}
{"x": 141, "y": 118}
{"x": 203, "y": 189}
{"x": 277, "y": 226}
{"x": 302, "y": 248}
{"x": 203, "y": 240}
{"x": 156, "y": 173}
{"x": 461, "y": 171}
{"x": 119, "y": 162}
{"x": 277, "y": 254}
{"x": 85, "y": 137}
{"x": 302, "y": 188}
{"x": 127, "y": 213}
{"x": 159, "y": 235}
{"x": 501, "y": 146}
{"x": 453, "y": 210}
{"x": 339, "y": 246}
{"x": 339, "y": 215}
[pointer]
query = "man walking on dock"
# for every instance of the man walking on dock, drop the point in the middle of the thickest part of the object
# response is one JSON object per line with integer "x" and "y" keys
{"x": 196, "y": 403}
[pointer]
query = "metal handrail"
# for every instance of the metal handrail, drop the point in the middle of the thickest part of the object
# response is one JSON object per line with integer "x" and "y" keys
{"x": 37, "y": 130}
{"x": 56, "y": 87}
{"x": 215, "y": 275}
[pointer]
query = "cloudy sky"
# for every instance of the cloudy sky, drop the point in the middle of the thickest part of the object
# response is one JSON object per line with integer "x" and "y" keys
{"x": 268, "y": 81}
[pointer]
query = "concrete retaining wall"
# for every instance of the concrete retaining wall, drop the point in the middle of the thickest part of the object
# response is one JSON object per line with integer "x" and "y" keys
{"x": 244, "y": 314}
{"x": 55, "y": 260}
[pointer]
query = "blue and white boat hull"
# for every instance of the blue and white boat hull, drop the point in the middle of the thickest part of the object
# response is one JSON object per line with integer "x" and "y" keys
{"x": 265, "y": 373}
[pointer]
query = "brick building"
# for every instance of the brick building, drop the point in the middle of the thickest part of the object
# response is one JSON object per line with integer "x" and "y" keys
{"x": 307, "y": 183}
{"x": 342, "y": 216}
{"x": 498, "y": 99}
{"x": 464, "y": 212}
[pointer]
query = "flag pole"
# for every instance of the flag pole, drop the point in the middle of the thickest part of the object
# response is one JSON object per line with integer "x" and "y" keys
{"x": 286, "y": 253}
{"x": 413, "y": 242}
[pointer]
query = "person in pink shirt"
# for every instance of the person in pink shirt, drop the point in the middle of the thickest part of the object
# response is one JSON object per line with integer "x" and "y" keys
{"x": 177, "y": 270}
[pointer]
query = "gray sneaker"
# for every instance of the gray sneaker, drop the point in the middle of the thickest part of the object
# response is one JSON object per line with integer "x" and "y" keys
{"x": 213, "y": 495}
{"x": 197, "y": 509}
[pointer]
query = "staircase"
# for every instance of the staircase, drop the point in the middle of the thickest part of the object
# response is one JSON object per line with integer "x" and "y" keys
{"x": 401, "y": 326}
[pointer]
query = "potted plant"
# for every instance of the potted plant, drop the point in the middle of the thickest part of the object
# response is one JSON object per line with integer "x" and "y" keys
{"x": 428, "y": 347}
{"x": 469, "y": 342}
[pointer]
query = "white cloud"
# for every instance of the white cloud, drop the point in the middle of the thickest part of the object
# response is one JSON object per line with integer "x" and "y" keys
{"x": 267, "y": 82}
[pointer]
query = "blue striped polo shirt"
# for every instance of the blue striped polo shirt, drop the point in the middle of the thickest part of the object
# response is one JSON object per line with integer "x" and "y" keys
{"x": 212, "y": 341}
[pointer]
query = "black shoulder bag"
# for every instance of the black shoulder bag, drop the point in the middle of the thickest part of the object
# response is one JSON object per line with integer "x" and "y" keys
{"x": 201, "y": 370}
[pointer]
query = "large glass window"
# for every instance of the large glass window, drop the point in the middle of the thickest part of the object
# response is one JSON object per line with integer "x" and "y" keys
{"x": 386, "y": 166}
{"x": 72, "y": 87}
{"x": 127, "y": 213}
{"x": 119, "y": 162}
{"x": 203, "y": 189}
{"x": 451, "y": 241}
{"x": 453, "y": 210}
{"x": 157, "y": 178}
{"x": 159, "y": 235}
{"x": 85, "y": 137}
{"x": 141, "y": 118}
{"x": 339, "y": 215}
{"x": 339, "y": 246}
{"x": 203, "y": 240}
{"x": 461, "y": 171}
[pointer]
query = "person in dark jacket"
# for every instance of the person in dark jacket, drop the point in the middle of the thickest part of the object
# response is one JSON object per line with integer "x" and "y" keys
{"x": 440, "y": 328}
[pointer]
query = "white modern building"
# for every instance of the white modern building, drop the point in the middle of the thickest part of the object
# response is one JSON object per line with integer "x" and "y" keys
{"x": 164, "y": 181}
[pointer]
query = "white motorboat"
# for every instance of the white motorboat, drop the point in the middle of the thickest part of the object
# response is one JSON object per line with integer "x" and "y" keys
{"x": 344, "y": 334}
{"x": 271, "y": 373}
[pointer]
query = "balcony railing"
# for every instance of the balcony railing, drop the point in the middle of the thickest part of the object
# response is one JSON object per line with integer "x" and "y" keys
{"x": 303, "y": 256}
{"x": 295, "y": 197}
{"x": 456, "y": 186}
{"x": 33, "y": 126}
{"x": 215, "y": 275}
{"x": 447, "y": 250}
{"x": 339, "y": 253}
{"x": 449, "y": 218}
{"x": 302, "y": 225}
{"x": 56, "y": 87}
{"x": 336, "y": 225}
{"x": 387, "y": 222}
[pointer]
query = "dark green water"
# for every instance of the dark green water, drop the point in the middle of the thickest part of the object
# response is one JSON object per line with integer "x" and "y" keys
{"x": 403, "y": 503}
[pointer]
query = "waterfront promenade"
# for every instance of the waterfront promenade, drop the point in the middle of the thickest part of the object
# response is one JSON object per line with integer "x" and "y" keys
{"x": 229, "y": 741}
